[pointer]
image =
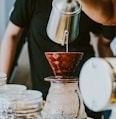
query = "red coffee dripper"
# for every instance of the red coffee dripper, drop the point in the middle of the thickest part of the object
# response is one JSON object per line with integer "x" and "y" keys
{"x": 63, "y": 63}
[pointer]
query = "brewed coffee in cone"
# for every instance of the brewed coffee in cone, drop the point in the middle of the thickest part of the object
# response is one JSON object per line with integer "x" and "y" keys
{"x": 63, "y": 63}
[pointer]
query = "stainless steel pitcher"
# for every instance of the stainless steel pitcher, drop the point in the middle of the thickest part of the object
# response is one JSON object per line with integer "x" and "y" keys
{"x": 63, "y": 24}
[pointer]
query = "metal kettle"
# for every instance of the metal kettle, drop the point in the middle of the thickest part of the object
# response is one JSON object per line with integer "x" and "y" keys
{"x": 63, "y": 24}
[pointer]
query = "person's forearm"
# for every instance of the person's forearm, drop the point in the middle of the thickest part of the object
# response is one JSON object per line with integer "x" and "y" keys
{"x": 101, "y": 11}
{"x": 7, "y": 53}
{"x": 104, "y": 48}
{"x": 8, "y": 48}
{"x": 105, "y": 52}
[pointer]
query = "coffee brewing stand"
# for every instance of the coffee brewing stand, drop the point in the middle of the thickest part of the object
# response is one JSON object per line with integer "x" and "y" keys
{"x": 64, "y": 100}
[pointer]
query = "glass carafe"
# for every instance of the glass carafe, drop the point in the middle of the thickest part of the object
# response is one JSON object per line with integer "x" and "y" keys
{"x": 63, "y": 100}
{"x": 3, "y": 79}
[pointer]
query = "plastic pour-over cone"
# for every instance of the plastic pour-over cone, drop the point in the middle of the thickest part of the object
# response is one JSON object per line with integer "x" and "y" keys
{"x": 63, "y": 63}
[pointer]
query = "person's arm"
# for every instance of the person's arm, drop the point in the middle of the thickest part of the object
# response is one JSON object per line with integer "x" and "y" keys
{"x": 101, "y": 11}
{"x": 101, "y": 45}
{"x": 104, "y": 48}
{"x": 8, "y": 48}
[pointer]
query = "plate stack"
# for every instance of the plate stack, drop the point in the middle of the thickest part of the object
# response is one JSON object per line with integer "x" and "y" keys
{"x": 29, "y": 105}
{"x": 16, "y": 102}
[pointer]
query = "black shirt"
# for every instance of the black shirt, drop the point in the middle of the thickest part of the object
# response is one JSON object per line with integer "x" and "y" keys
{"x": 109, "y": 32}
{"x": 33, "y": 15}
